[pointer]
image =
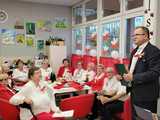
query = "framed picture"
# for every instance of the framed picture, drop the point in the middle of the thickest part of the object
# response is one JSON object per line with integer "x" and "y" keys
{"x": 30, "y": 28}
{"x": 40, "y": 45}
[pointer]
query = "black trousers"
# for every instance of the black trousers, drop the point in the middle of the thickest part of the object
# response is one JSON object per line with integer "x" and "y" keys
{"x": 149, "y": 105}
{"x": 107, "y": 110}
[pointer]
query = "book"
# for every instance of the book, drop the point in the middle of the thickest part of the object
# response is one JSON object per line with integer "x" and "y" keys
{"x": 120, "y": 69}
{"x": 68, "y": 113}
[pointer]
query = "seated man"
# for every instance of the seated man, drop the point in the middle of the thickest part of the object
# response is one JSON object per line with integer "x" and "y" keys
{"x": 107, "y": 101}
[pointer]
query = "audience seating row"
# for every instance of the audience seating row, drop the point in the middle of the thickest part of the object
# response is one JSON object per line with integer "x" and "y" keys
{"x": 106, "y": 61}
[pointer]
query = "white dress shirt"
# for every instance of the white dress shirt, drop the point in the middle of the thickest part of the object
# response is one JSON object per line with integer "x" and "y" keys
{"x": 135, "y": 59}
{"x": 42, "y": 97}
{"x": 114, "y": 85}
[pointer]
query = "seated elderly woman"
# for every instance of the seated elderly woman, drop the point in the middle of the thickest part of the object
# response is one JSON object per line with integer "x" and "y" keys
{"x": 7, "y": 75}
{"x": 19, "y": 75}
{"x": 8, "y": 71}
{"x": 37, "y": 94}
{"x": 65, "y": 72}
{"x": 46, "y": 71}
{"x": 97, "y": 83}
{"x": 108, "y": 100}
{"x": 78, "y": 73}
{"x": 89, "y": 73}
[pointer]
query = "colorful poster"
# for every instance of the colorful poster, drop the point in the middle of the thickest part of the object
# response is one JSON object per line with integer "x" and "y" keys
{"x": 8, "y": 36}
{"x": 44, "y": 25}
{"x": 19, "y": 24}
{"x": 30, "y": 41}
{"x": 60, "y": 22}
{"x": 30, "y": 28}
{"x": 40, "y": 24}
{"x": 20, "y": 39}
{"x": 40, "y": 45}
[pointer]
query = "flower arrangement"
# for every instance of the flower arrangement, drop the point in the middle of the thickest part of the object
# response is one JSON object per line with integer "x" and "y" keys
{"x": 106, "y": 36}
{"x": 139, "y": 55}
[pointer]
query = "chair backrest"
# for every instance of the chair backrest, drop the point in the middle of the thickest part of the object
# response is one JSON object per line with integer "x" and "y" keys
{"x": 127, "y": 109}
{"x": 87, "y": 59}
{"x": 74, "y": 59}
{"x": 7, "y": 111}
{"x": 127, "y": 112}
{"x": 81, "y": 105}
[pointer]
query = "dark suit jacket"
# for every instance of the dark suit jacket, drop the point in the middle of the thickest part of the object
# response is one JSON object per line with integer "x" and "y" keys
{"x": 145, "y": 86}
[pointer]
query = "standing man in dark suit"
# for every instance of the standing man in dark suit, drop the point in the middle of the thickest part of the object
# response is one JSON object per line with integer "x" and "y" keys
{"x": 144, "y": 71}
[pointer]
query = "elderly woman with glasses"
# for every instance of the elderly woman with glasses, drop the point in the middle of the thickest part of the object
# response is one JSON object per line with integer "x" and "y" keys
{"x": 97, "y": 83}
{"x": 38, "y": 95}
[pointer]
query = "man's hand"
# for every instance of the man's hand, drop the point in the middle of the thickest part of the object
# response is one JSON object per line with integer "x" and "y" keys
{"x": 119, "y": 77}
{"x": 128, "y": 77}
{"x": 103, "y": 99}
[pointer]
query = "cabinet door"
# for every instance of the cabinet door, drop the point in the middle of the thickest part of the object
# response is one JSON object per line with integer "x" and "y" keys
{"x": 56, "y": 54}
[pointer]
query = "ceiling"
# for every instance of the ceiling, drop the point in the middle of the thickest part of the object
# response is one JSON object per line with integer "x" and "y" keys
{"x": 55, "y": 2}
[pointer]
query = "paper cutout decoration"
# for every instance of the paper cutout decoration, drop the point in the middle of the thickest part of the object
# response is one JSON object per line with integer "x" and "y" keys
{"x": 114, "y": 54}
{"x": 3, "y": 16}
{"x": 60, "y": 22}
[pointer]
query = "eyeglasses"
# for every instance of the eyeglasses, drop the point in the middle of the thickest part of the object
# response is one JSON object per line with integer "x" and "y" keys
{"x": 137, "y": 35}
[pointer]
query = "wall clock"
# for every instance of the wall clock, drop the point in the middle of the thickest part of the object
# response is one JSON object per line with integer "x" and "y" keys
{"x": 3, "y": 16}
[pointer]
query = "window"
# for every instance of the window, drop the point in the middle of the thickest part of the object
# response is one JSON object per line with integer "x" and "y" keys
{"x": 91, "y": 40}
{"x": 110, "y": 7}
{"x": 77, "y": 15}
{"x": 91, "y": 10}
{"x": 110, "y": 39}
{"x": 77, "y": 45}
{"x": 131, "y": 4}
{"x": 131, "y": 24}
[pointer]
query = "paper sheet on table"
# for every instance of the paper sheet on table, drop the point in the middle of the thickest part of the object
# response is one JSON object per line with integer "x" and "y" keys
{"x": 143, "y": 113}
{"x": 68, "y": 113}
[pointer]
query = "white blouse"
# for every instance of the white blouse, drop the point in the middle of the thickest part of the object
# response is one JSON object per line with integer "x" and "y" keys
{"x": 20, "y": 75}
{"x": 42, "y": 96}
{"x": 46, "y": 73}
{"x": 90, "y": 74}
{"x": 77, "y": 75}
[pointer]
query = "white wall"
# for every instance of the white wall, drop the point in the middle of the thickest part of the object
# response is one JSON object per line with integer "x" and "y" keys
{"x": 33, "y": 12}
